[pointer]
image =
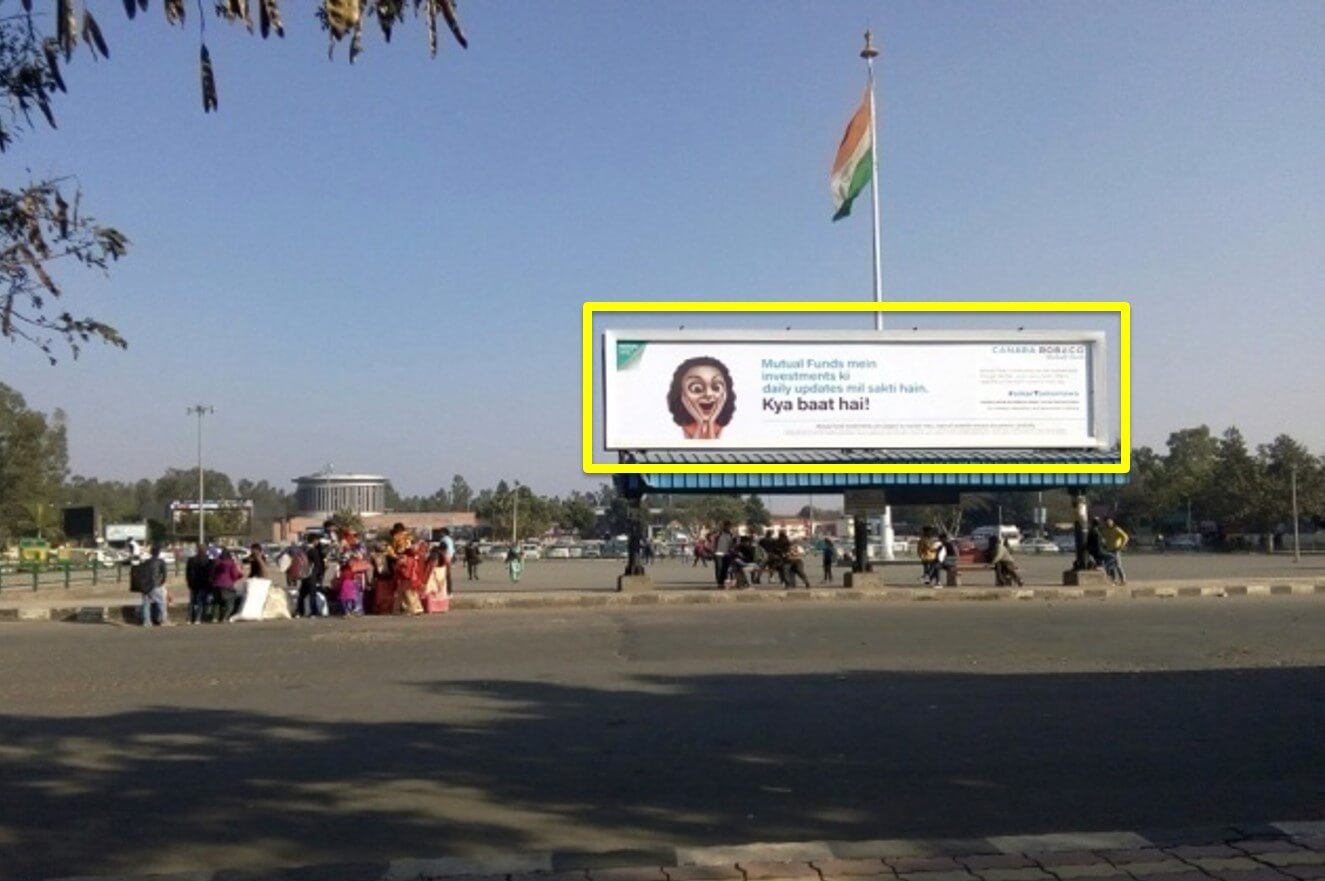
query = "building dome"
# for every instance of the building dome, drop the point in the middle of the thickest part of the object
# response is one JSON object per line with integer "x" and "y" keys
{"x": 323, "y": 494}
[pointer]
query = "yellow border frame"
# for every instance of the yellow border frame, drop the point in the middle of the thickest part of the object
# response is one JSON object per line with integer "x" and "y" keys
{"x": 1123, "y": 308}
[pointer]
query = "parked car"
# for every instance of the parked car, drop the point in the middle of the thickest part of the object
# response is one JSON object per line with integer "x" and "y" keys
{"x": 1011, "y": 535}
{"x": 106, "y": 557}
{"x": 1039, "y": 545}
{"x": 1066, "y": 542}
{"x": 1191, "y": 542}
{"x": 532, "y": 550}
{"x": 558, "y": 552}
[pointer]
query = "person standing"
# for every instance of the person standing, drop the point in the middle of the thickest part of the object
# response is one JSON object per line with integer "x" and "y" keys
{"x": 830, "y": 557}
{"x": 257, "y": 562}
{"x": 1113, "y": 540}
{"x": 722, "y": 547}
{"x": 472, "y": 559}
{"x": 448, "y": 554}
{"x": 225, "y": 575}
{"x": 198, "y": 577}
{"x": 134, "y": 550}
{"x": 927, "y": 550}
{"x": 949, "y": 557}
{"x": 156, "y": 600}
{"x": 1005, "y": 568}
{"x": 349, "y": 592}
{"x": 514, "y": 563}
{"x": 1095, "y": 544}
{"x": 793, "y": 565}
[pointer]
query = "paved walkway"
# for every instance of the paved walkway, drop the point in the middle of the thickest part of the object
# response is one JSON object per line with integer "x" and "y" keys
{"x": 1283, "y": 851}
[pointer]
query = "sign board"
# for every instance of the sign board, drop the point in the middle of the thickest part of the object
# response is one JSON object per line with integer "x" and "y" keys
{"x": 79, "y": 523}
{"x": 126, "y": 531}
{"x": 763, "y": 390}
{"x": 863, "y": 501}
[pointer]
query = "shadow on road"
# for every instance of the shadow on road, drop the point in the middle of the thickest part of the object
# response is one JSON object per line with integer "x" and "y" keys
{"x": 707, "y": 759}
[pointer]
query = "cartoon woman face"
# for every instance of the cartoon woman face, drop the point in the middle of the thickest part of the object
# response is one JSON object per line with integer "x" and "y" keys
{"x": 703, "y": 393}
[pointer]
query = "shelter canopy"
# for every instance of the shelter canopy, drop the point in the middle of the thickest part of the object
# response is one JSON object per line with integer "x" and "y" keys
{"x": 903, "y": 488}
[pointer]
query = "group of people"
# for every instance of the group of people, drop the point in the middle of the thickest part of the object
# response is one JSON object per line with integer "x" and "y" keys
{"x": 938, "y": 553}
{"x": 340, "y": 574}
{"x": 213, "y": 577}
{"x": 334, "y": 573}
{"x": 940, "y": 556}
{"x": 739, "y": 561}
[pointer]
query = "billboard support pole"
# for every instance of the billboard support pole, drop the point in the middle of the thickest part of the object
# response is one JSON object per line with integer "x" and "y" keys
{"x": 869, "y": 53}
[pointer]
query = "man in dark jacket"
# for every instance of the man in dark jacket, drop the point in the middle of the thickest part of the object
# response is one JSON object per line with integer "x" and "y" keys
{"x": 1095, "y": 544}
{"x": 311, "y": 602}
{"x": 198, "y": 576}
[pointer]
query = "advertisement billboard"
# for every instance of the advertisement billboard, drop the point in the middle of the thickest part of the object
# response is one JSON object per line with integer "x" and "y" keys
{"x": 126, "y": 531}
{"x": 79, "y": 523}
{"x": 762, "y": 390}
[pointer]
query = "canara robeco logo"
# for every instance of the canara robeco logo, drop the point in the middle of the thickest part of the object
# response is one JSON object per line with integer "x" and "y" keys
{"x": 1060, "y": 351}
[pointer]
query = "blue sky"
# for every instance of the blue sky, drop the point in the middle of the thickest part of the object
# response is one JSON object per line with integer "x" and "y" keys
{"x": 381, "y": 266}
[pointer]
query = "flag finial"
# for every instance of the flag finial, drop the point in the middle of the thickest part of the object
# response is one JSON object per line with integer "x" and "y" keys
{"x": 869, "y": 51}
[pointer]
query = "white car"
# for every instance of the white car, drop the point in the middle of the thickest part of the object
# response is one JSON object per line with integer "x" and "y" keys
{"x": 532, "y": 551}
{"x": 558, "y": 552}
{"x": 107, "y": 557}
{"x": 1039, "y": 546}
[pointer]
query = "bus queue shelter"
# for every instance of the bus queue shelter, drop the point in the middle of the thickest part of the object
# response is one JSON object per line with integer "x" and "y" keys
{"x": 898, "y": 488}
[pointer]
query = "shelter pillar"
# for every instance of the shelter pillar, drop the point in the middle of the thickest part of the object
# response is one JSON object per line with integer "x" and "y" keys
{"x": 634, "y": 577}
{"x": 1081, "y": 574}
{"x": 862, "y": 573}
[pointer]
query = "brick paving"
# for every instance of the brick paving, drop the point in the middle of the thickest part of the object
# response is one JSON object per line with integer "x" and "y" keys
{"x": 1270, "y": 855}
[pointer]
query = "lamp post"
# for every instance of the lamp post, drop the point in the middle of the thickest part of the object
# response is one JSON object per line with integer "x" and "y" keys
{"x": 201, "y": 410}
{"x": 515, "y": 515}
{"x": 1297, "y": 546}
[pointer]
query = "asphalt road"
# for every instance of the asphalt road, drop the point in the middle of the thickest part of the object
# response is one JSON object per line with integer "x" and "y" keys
{"x": 131, "y": 750}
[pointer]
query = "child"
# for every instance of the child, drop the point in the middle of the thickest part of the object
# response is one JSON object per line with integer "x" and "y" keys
{"x": 351, "y": 594}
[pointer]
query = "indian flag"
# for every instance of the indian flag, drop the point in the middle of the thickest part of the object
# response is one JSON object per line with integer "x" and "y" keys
{"x": 855, "y": 159}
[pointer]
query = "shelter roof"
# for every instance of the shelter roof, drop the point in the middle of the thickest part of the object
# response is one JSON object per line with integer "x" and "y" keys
{"x": 794, "y": 483}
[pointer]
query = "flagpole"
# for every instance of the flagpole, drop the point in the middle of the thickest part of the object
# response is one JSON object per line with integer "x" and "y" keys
{"x": 869, "y": 53}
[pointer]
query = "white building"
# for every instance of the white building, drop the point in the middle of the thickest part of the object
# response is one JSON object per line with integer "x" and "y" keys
{"x": 321, "y": 495}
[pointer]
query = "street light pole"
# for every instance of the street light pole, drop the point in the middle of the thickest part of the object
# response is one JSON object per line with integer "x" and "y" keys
{"x": 201, "y": 410}
{"x": 1297, "y": 546}
{"x": 515, "y": 515}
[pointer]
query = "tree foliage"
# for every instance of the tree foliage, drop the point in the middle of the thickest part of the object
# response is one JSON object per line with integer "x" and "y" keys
{"x": 42, "y": 226}
{"x": 1224, "y": 481}
{"x": 34, "y": 461}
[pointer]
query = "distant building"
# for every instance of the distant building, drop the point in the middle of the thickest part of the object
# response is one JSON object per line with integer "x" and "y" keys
{"x": 323, "y": 494}
{"x": 288, "y": 529}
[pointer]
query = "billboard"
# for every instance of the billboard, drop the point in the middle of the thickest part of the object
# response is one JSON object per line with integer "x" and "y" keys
{"x": 79, "y": 523}
{"x": 764, "y": 390}
{"x": 126, "y": 531}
